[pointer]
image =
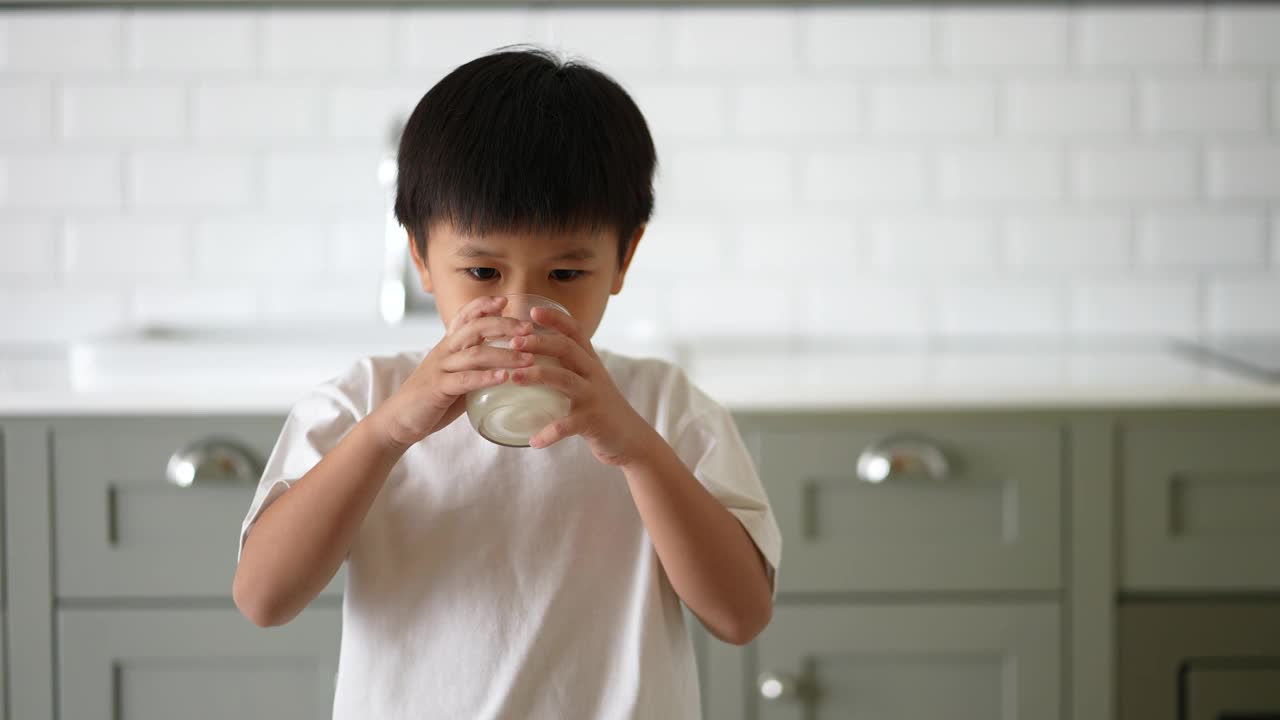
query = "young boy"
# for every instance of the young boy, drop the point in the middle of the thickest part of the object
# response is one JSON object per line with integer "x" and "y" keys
{"x": 494, "y": 582}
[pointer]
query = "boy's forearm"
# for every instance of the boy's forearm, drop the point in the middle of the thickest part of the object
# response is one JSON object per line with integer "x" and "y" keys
{"x": 711, "y": 561}
{"x": 298, "y": 543}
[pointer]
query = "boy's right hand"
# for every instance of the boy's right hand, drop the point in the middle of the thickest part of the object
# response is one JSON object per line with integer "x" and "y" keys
{"x": 434, "y": 395}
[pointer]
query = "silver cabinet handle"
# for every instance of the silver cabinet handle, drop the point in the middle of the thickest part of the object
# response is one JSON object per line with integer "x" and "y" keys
{"x": 902, "y": 455}
{"x": 778, "y": 686}
{"x": 213, "y": 460}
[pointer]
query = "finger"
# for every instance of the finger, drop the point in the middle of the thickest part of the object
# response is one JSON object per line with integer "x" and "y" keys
{"x": 558, "y": 321}
{"x": 479, "y": 330}
{"x": 557, "y": 431}
{"x": 478, "y": 307}
{"x": 563, "y": 348}
{"x": 562, "y": 379}
{"x": 461, "y": 383}
{"x": 485, "y": 357}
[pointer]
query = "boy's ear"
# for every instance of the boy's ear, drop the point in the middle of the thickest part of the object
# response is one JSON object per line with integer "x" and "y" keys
{"x": 626, "y": 261}
{"x": 419, "y": 262}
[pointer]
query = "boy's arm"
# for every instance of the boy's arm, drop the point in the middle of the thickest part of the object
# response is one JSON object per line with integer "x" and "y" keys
{"x": 299, "y": 542}
{"x": 713, "y": 564}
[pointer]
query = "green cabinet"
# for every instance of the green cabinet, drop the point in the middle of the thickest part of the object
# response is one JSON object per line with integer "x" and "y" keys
{"x": 995, "y": 584}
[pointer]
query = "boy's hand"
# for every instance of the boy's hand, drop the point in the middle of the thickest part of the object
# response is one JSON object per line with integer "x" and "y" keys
{"x": 598, "y": 411}
{"x": 434, "y": 395}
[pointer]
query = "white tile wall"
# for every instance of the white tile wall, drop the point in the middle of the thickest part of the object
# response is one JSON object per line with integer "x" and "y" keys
{"x": 856, "y": 171}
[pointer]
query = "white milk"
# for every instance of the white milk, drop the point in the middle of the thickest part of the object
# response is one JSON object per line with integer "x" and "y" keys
{"x": 511, "y": 414}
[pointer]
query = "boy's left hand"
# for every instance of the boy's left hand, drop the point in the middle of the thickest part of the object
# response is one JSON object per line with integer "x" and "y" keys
{"x": 598, "y": 411}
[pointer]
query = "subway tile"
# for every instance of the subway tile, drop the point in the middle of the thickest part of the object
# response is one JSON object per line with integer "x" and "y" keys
{"x": 257, "y": 112}
{"x": 820, "y": 247}
{"x": 1244, "y": 306}
{"x": 833, "y": 180}
{"x": 1246, "y": 34}
{"x": 59, "y": 314}
{"x": 1001, "y": 174}
{"x": 54, "y": 41}
{"x": 1247, "y": 170}
{"x": 1015, "y": 37}
{"x": 260, "y": 247}
{"x": 715, "y": 310}
{"x": 328, "y": 39}
{"x": 739, "y": 180}
{"x": 194, "y": 179}
{"x": 446, "y": 38}
{"x": 325, "y": 179}
{"x": 681, "y": 249}
{"x": 876, "y": 36}
{"x": 1202, "y": 240}
{"x": 1206, "y": 103}
{"x": 935, "y": 107}
{"x": 735, "y": 39}
{"x": 344, "y": 301}
{"x": 184, "y": 305}
{"x": 1068, "y": 106}
{"x": 193, "y": 40}
{"x": 683, "y": 110}
{"x": 359, "y": 245}
{"x": 795, "y": 108}
{"x": 1057, "y": 241}
{"x": 865, "y": 311}
{"x": 28, "y": 247}
{"x": 937, "y": 244}
{"x": 62, "y": 180}
{"x": 1136, "y": 307}
{"x": 995, "y": 310}
{"x": 28, "y": 111}
{"x": 126, "y": 247}
{"x": 123, "y": 112}
{"x": 1147, "y": 35}
{"x": 1129, "y": 172}
{"x": 371, "y": 112}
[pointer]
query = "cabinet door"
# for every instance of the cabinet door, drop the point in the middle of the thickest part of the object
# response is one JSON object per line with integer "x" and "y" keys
{"x": 1199, "y": 506}
{"x": 992, "y": 522}
{"x": 860, "y": 662}
{"x": 124, "y": 530}
{"x": 1221, "y": 690}
{"x": 196, "y": 665}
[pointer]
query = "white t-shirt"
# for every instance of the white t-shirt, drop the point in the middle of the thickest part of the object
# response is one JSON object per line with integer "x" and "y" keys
{"x": 493, "y": 582}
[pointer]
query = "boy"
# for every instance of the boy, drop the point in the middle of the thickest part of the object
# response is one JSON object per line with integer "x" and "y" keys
{"x": 493, "y": 582}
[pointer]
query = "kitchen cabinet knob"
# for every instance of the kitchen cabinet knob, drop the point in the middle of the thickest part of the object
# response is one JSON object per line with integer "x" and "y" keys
{"x": 213, "y": 461}
{"x": 777, "y": 686}
{"x": 900, "y": 456}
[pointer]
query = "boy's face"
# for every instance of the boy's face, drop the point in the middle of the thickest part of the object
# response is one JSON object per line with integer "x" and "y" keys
{"x": 577, "y": 269}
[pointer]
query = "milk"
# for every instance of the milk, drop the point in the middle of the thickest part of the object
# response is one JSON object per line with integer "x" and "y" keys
{"x": 511, "y": 414}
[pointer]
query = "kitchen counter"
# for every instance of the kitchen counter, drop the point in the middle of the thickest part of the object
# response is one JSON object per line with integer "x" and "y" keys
{"x": 264, "y": 371}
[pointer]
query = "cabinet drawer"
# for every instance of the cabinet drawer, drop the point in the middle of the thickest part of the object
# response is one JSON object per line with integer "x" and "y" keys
{"x": 991, "y": 523}
{"x": 868, "y": 662}
{"x": 163, "y": 664}
{"x": 123, "y": 530}
{"x": 1199, "y": 660}
{"x": 1200, "y": 503}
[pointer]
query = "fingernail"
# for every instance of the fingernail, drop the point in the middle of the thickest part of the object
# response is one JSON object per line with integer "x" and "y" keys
{"x": 498, "y": 374}
{"x": 526, "y": 356}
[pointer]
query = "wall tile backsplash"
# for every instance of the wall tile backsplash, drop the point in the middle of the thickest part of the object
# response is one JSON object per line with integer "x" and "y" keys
{"x": 897, "y": 170}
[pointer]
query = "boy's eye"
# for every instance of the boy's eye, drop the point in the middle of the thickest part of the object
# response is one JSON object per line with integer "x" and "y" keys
{"x": 482, "y": 273}
{"x": 566, "y": 274}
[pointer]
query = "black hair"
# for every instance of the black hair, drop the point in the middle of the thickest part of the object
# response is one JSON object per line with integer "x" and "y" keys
{"x": 520, "y": 140}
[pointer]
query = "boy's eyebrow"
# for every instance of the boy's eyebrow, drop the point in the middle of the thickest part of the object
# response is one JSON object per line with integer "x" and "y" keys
{"x": 475, "y": 251}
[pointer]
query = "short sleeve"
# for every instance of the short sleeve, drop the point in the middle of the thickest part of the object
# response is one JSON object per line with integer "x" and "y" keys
{"x": 314, "y": 426}
{"x": 711, "y": 447}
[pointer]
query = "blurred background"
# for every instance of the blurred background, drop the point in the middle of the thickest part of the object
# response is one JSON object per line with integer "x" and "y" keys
{"x": 902, "y": 169}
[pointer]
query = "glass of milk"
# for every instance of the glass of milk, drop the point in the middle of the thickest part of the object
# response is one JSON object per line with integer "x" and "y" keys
{"x": 511, "y": 414}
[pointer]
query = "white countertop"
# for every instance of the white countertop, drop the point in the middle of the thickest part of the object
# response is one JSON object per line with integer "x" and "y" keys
{"x": 257, "y": 372}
